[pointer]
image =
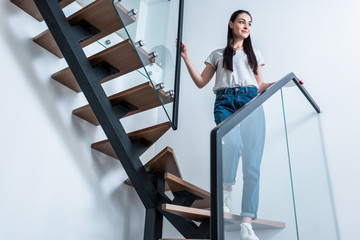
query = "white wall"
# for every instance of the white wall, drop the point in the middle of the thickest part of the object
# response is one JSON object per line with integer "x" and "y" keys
{"x": 318, "y": 41}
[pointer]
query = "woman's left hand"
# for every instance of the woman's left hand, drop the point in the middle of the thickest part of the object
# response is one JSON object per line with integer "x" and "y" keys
{"x": 263, "y": 87}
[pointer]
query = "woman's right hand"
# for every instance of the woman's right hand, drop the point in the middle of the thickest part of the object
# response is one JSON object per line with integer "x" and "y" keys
{"x": 202, "y": 79}
{"x": 184, "y": 50}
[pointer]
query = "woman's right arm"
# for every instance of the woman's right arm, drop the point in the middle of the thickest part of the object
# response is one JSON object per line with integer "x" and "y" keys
{"x": 202, "y": 79}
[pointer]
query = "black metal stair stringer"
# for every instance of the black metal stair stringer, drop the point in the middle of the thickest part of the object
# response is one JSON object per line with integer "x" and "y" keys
{"x": 154, "y": 218}
{"x": 186, "y": 227}
{"x": 184, "y": 198}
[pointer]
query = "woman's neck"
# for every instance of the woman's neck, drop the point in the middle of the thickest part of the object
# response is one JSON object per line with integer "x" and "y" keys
{"x": 238, "y": 44}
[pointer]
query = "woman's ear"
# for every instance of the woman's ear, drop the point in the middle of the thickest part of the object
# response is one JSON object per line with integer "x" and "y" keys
{"x": 231, "y": 24}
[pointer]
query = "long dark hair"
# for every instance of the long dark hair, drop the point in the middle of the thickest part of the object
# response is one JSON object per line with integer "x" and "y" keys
{"x": 248, "y": 49}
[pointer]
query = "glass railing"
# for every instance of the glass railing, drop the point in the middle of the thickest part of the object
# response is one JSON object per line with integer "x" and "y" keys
{"x": 154, "y": 37}
{"x": 312, "y": 189}
{"x": 149, "y": 36}
{"x": 259, "y": 140}
{"x": 292, "y": 198}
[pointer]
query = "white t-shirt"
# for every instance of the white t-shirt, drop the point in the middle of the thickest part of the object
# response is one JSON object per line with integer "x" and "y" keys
{"x": 242, "y": 76}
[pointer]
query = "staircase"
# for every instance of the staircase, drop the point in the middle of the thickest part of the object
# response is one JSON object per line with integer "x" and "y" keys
{"x": 66, "y": 37}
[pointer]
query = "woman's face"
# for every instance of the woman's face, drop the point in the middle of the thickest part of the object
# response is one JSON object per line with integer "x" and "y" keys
{"x": 241, "y": 27}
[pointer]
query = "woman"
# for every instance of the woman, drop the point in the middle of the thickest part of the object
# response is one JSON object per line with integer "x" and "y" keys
{"x": 239, "y": 79}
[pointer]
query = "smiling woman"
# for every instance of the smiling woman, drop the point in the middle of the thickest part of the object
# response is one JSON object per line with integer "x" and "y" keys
{"x": 239, "y": 79}
{"x": 242, "y": 24}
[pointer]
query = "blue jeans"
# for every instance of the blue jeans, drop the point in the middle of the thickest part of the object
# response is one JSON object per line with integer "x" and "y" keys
{"x": 246, "y": 140}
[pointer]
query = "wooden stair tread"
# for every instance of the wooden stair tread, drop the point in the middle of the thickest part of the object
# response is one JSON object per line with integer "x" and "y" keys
{"x": 100, "y": 14}
{"x": 142, "y": 96}
{"x": 163, "y": 162}
{"x": 232, "y": 222}
{"x": 151, "y": 134}
{"x": 30, "y": 7}
{"x": 47, "y": 41}
{"x": 177, "y": 184}
{"x": 181, "y": 239}
{"x": 122, "y": 56}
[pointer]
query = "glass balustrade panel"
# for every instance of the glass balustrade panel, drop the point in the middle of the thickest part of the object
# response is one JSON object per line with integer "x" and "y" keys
{"x": 149, "y": 40}
{"x": 153, "y": 36}
{"x": 314, "y": 206}
{"x": 150, "y": 35}
{"x": 255, "y": 152}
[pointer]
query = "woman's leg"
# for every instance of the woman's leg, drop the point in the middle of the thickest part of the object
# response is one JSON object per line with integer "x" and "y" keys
{"x": 231, "y": 145}
{"x": 231, "y": 142}
{"x": 253, "y": 135}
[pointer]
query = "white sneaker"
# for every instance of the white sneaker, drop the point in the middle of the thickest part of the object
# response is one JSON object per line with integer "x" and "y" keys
{"x": 246, "y": 232}
{"x": 227, "y": 201}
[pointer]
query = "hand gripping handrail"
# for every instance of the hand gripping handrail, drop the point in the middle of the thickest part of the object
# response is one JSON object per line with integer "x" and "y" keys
{"x": 217, "y": 215}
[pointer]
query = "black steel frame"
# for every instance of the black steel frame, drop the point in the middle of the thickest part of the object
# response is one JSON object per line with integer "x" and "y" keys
{"x": 177, "y": 66}
{"x": 217, "y": 215}
{"x": 150, "y": 191}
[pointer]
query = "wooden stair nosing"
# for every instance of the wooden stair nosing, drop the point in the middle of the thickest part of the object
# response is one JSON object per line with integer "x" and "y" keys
{"x": 121, "y": 56}
{"x": 198, "y": 214}
{"x": 177, "y": 184}
{"x": 30, "y": 7}
{"x": 151, "y": 134}
{"x": 163, "y": 162}
{"x": 100, "y": 14}
{"x": 142, "y": 96}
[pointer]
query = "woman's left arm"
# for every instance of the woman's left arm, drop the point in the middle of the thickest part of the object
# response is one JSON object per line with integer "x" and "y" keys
{"x": 260, "y": 80}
